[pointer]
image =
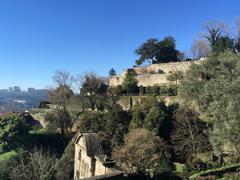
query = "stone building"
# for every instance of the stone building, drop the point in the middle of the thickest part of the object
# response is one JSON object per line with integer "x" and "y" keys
{"x": 154, "y": 74}
{"x": 90, "y": 160}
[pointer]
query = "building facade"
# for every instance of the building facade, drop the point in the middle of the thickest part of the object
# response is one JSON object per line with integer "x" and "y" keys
{"x": 90, "y": 161}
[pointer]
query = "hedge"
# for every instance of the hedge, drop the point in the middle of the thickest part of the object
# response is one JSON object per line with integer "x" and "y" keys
{"x": 216, "y": 171}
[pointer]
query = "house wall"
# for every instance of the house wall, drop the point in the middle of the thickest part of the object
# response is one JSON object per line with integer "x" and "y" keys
{"x": 85, "y": 165}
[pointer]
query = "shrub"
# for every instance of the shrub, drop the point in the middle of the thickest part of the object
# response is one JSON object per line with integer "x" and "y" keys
{"x": 37, "y": 165}
{"x": 65, "y": 166}
{"x": 160, "y": 71}
{"x": 142, "y": 90}
{"x": 216, "y": 171}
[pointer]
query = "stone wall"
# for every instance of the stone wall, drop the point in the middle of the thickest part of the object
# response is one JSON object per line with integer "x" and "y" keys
{"x": 154, "y": 74}
{"x": 90, "y": 161}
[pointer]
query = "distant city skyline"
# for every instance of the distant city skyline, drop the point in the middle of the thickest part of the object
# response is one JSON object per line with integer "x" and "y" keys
{"x": 39, "y": 37}
{"x": 9, "y": 88}
{"x": 18, "y": 88}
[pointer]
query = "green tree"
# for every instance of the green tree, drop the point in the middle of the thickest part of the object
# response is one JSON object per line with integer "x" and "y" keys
{"x": 156, "y": 51}
{"x": 92, "y": 121}
{"x": 154, "y": 119}
{"x": 137, "y": 117}
{"x": 13, "y": 130}
{"x": 59, "y": 119}
{"x": 93, "y": 87}
{"x": 224, "y": 43}
{"x": 65, "y": 165}
{"x": 130, "y": 83}
{"x": 117, "y": 124}
{"x": 213, "y": 88}
{"x": 112, "y": 72}
{"x": 219, "y": 40}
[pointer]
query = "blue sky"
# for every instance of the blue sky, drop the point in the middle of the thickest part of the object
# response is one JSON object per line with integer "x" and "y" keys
{"x": 37, "y": 37}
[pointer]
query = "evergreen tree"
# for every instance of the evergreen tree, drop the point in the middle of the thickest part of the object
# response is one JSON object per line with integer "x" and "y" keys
{"x": 130, "y": 83}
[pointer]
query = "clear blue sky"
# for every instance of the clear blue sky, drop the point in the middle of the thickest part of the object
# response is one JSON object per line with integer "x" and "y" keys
{"x": 38, "y": 37}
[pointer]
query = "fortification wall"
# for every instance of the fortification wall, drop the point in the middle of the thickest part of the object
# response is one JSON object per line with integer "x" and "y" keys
{"x": 151, "y": 79}
{"x": 153, "y": 74}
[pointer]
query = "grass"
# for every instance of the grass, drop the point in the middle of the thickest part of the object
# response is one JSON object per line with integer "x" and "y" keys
{"x": 7, "y": 155}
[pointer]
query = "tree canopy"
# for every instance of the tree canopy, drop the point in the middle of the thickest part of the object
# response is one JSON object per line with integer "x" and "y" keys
{"x": 13, "y": 129}
{"x": 158, "y": 51}
{"x": 213, "y": 88}
{"x": 130, "y": 83}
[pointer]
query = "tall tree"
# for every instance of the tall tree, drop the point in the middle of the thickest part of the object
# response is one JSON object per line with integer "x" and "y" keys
{"x": 61, "y": 95}
{"x": 156, "y": 51}
{"x": 60, "y": 119}
{"x": 154, "y": 119}
{"x": 189, "y": 135}
{"x": 65, "y": 165}
{"x": 112, "y": 72}
{"x": 63, "y": 78}
{"x": 130, "y": 83}
{"x": 217, "y": 35}
{"x": 92, "y": 87}
{"x": 213, "y": 88}
{"x": 147, "y": 51}
{"x": 224, "y": 43}
{"x": 13, "y": 129}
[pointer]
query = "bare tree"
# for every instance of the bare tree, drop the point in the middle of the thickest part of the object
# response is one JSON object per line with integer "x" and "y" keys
{"x": 38, "y": 165}
{"x": 78, "y": 81}
{"x": 63, "y": 78}
{"x": 141, "y": 152}
{"x": 200, "y": 49}
{"x": 189, "y": 136}
{"x": 61, "y": 95}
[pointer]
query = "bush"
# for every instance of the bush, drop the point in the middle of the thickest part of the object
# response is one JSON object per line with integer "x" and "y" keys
{"x": 160, "y": 71}
{"x": 4, "y": 170}
{"x": 216, "y": 171}
{"x": 142, "y": 90}
{"x": 13, "y": 130}
{"x": 65, "y": 166}
{"x": 37, "y": 165}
